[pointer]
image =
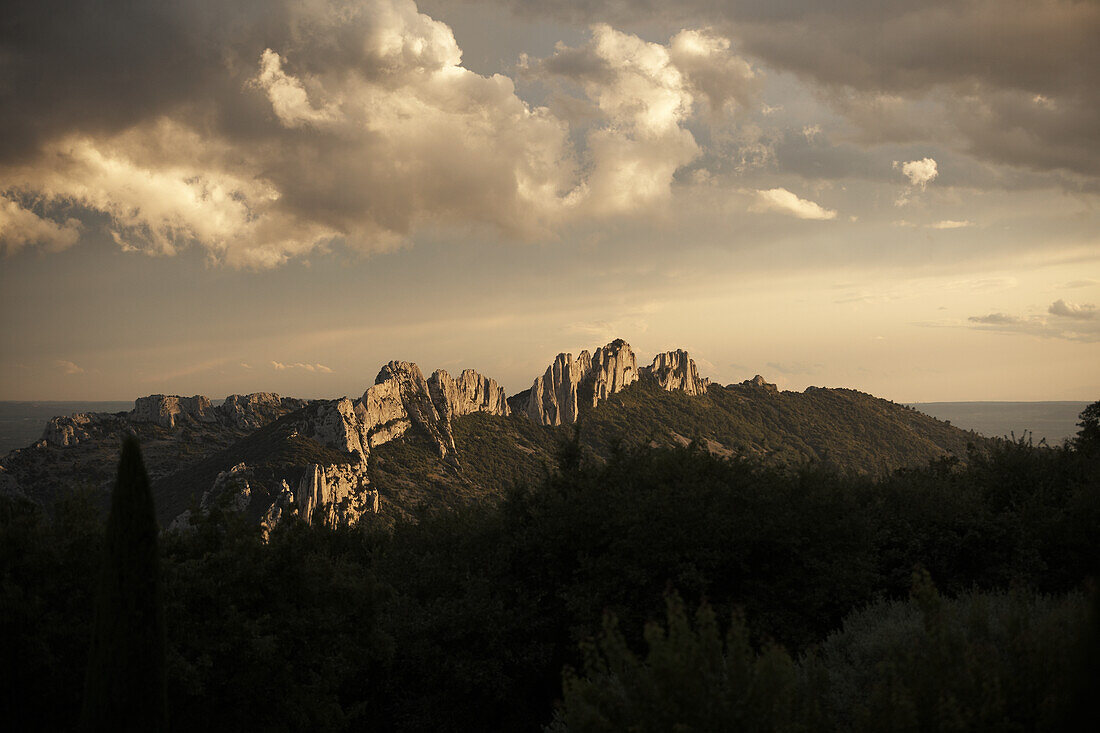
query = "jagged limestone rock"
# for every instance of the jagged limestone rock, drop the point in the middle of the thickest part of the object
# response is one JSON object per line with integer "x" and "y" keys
{"x": 335, "y": 424}
{"x": 677, "y": 370}
{"x": 253, "y": 411}
{"x": 761, "y": 383}
{"x": 334, "y": 495}
{"x": 63, "y": 431}
{"x": 554, "y": 397}
{"x": 614, "y": 367}
{"x": 231, "y": 489}
{"x": 167, "y": 410}
{"x": 470, "y": 393}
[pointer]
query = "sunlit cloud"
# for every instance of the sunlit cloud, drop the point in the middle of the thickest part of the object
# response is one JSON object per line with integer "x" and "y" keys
{"x": 68, "y": 367}
{"x": 782, "y": 201}
{"x": 1084, "y": 312}
{"x": 321, "y": 368}
{"x": 919, "y": 172}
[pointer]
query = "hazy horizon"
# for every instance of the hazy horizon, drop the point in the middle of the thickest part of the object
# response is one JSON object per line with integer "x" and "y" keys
{"x": 229, "y": 198}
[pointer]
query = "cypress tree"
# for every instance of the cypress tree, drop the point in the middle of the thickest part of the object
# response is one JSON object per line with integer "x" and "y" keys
{"x": 125, "y": 687}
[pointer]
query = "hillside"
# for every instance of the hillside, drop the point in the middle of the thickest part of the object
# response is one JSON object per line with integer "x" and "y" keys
{"x": 412, "y": 443}
{"x": 849, "y": 431}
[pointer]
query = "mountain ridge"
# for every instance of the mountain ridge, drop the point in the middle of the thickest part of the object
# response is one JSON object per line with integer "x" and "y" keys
{"x": 410, "y": 441}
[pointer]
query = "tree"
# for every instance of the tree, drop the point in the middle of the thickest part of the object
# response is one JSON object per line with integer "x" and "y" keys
{"x": 1088, "y": 437}
{"x": 125, "y": 685}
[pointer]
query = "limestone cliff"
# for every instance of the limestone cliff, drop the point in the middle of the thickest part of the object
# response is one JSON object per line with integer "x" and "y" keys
{"x": 676, "y": 370}
{"x": 68, "y": 430}
{"x": 614, "y": 368}
{"x": 253, "y": 411}
{"x": 167, "y": 410}
{"x": 761, "y": 383}
{"x": 334, "y": 495}
{"x": 555, "y": 397}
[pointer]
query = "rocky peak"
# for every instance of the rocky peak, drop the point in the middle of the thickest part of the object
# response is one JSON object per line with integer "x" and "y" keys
{"x": 64, "y": 431}
{"x": 253, "y": 411}
{"x": 471, "y": 392}
{"x": 167, "y": 410}
{"x": 553, "y": 396}
{"x": 614, "y": 367}
{"x": 761, "y": 383}
{"x": 677, "y": 370}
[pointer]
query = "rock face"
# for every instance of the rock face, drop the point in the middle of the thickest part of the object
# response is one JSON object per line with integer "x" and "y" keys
{"x": 167, "y": 410}
{"x": 555, "y": 396}
{"x": 334, "y": 495}
{"x": 676, "y": 370}
{"x": 402, "y": 398}
{"x": 471, "y": 392}
{"x": 761, "y": 383}
{"x": 334, "y": 424}
{"x": 614, "y": 368}
{"x": 65, "y": 431}
{"x": 241, "y": 412}
{"x": 553, "y": 399}
{"x": 253, "y": 411}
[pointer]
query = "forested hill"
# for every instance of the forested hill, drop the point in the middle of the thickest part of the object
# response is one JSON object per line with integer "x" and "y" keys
{"x": 843, "y": 429}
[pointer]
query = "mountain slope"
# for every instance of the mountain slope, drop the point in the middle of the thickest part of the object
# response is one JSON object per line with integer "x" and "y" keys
{"x": 850, "y": 431}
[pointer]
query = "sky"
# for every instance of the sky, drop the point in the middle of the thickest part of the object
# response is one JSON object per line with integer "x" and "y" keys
{"x": 215, "y": 197}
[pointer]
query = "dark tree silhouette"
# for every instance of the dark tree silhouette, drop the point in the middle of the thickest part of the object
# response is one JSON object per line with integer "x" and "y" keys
{"x": 125, "y": 685}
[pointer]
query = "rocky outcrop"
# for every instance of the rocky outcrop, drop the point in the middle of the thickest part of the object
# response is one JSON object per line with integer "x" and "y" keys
{"x": 676, "y": 370}
{"x": 334, "y": 495}
{"x": 554, "y": 398}
{"x": 471, "y": 392}
{"x": 231, "y": 490}
{"x": 167, "y": 410}
{"x": 614, "y": 368}
{"x": 760, "y": 383}
{"x": 65, "y": 431}
{"x": 335, "y": 424}
{"x": 244, "y": 413}
{"x": 398, "y": 400}
{"x": 253, "y": 411}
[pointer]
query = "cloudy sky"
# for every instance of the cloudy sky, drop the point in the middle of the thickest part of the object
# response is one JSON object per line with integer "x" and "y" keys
{"x": 210, "y": 197}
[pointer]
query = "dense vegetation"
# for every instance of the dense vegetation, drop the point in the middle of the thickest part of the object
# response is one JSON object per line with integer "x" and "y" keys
{"x": 533, "y": 612}
{"x": 840, "y": 429}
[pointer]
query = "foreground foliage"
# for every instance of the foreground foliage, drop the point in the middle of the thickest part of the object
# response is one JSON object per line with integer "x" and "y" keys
{"x": 984, "y": 661}
{"x": 464, "y": 620}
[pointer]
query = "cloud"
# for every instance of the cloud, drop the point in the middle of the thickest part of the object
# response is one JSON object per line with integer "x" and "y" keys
{"x": 279, "y": 366}
{"x": 635, "y": 98}
{"x": 262, "y": 131}
{"x": 20, "y": 227}
{"x": 783, "y": 201}
{"x": 1085, "y": 312}
{"x": 951, "y": 224}
{"x": 1011, "y": 81}
{"x": 995, "y": 319}
{"x": 1086, "y": 329}
{"x": 919, "y": 172}
{"x": 69, "y": 367}
{"x": 1085, "y": 283}
{"x": 245, "y": 365}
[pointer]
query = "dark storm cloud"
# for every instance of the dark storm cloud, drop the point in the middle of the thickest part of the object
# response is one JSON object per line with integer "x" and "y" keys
{"x": 1017, "y": 80}
{"x": 103, "y": 66}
